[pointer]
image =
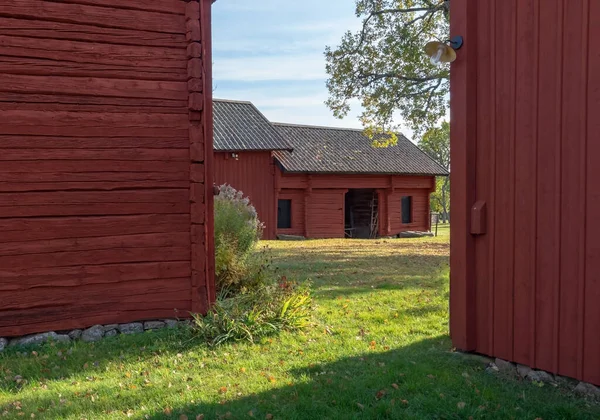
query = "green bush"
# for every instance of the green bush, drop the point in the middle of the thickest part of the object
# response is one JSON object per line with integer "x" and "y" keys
{"x": 259, "y": 313}
{"x": 251, "y": 302}
{"x": 237, "y": 232}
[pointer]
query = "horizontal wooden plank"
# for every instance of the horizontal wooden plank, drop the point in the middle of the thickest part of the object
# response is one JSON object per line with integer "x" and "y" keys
{"x": 93, "y": 16}
{"x": 48, "y": 142}
{"x": 93, "y": 86}
{"x": 87, "y": 102}
{"x": 55, "y": 107}
{"x": 164, "y": 6}
{"x": 21, "y": 322}
{"x": 55, "y": 166}
{"x": 43, "y": 29}
{"x": 25, "y": 278}
{"x": 89, "y": 244}
{"x": 139, "y": 292}
{"x": 150, "y": 196}
{"x": 93, "y": 209}
{"x": 137, "y": 154}
{"x": 21, "y": 186}
{"x": 99, "y": 257}
{"x": 62, "y": 53}
{"x": 103, "y": 180}
{"x": 19, "y": 230}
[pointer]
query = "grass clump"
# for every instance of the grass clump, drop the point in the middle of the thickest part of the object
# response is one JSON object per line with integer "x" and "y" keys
{"x": 252, "y": 302}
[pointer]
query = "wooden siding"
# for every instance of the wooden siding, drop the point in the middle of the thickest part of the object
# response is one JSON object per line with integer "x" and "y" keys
{"x": 355, "y": 181}
{"x": 523, "y": 105}
{"x": 103, "y": 132}
{"x": 325, "y": 209}
{"x": 254, "y": 174}
{"x": 419, "y": 187}
{"x": 298, "y": 225}
{"x": 390, "y": 211}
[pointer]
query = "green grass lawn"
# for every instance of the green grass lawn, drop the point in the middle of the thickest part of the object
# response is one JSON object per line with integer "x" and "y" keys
{"x": 380, "y": 349}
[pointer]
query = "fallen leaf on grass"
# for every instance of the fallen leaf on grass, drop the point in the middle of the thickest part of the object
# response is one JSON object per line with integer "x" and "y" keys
{"x": 359, "y": 405}
{"x": 269, "y": 416}
{"x": 168, "y": 411}
{"x": 405, "y": 402}
{"x": 395, "y": 386}
{"x": 461, "y": 405}
{"x": 200, "y": 417}
{"x": 183, "y": 417}
{"x": 380, "y": 394}
{"x": 431, "y": 376}
{"x": 222, "y": 390}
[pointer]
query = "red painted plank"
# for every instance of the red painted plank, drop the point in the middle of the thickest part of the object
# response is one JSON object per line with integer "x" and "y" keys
{"x": 46, "y": 142}
{"x": 176, "y": 7}
{"x": 92, "y": 180}
{"x": 504, "y": 178}
{"x": 591, "y": 308}
{"x": 572, "y": 213}
{"x": 93, "y": 16}
{"x": 93, "y": 209}
{"x": 84, "y": 54}
{"x": 83, "y": 166}
{"x": 548, "y": 217}
{"x": 485, "y": 169}
{"x": 25, "y": 278}
{"x": 92, "y": 197}
{"x": 463, "y": 133}
{"x": 93, "y": 103}
{"x": 525, "y": 180}
{"x": 178, "y": 252}
{"x": 94, "y": 86}
{"x": 87, "y": 186}
{"x": 81, "y": 317}
{"x": 42, "y": 29}
{"x": 19, "y": 230}
{"x": 137, "y": 154}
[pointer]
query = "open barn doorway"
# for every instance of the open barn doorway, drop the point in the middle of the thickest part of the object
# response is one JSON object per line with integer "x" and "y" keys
{"x": 361, "y": 213}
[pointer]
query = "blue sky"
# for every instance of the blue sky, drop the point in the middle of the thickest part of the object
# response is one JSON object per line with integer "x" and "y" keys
{"x": 270, "y": 52}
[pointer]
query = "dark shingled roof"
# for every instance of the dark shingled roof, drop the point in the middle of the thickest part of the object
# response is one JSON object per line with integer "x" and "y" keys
{"x": 340, "y": 150}
{"x": 241, "y": 126}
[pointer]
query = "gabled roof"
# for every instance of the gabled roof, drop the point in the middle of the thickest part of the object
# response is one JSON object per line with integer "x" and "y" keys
{"x": 240, "y": 126}
{"x": 340, "y": 150}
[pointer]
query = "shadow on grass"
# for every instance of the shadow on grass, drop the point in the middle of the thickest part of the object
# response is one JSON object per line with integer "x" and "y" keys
{"x": 63, "y": 361}
{"x": 422, "y": 380}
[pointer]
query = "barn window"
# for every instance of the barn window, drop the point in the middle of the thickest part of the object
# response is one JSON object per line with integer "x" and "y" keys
{"x": 284, "y": 214}
{"x": 407, "y": 209}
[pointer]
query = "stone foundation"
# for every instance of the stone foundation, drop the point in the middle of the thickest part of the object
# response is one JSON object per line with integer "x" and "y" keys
{"x": 95, "y": 333}
{"x": 503, "y": 367}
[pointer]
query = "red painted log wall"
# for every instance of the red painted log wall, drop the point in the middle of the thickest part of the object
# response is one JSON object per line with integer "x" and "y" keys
{"x": 524, "y": 107}
{"x": 298, "y": 213}
{"x": 253, "y": 174}
{"x": 300, "y": 188}
{"x": 103, "y": 162}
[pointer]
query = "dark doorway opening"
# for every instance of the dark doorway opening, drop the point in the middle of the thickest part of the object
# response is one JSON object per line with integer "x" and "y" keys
{"x": 361, "y": 213}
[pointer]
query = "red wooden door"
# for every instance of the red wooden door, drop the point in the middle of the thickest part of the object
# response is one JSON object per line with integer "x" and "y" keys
{"x": 525, "y": 106}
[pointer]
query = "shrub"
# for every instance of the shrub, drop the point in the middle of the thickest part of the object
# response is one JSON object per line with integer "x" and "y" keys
{"x": 264, "y": 311}
{"x": 251, "y": 302}
{"x": 237, "y": 232}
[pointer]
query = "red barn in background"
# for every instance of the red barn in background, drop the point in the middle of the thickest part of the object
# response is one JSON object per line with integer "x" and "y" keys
{"x": 321, "y": 182}
{"x": 525, "y": 257}
{"x": 106, "y": 149}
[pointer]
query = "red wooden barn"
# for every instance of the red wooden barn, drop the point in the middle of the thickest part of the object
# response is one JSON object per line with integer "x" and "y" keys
{"x": 321, "y": 182}
{"x": 105, "y": 172}
{"x": 525, "y": 259}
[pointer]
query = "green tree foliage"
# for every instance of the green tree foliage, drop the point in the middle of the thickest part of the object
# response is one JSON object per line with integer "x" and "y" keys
{"x": 436, "y": 143}
{"x": 383, "y": 64}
